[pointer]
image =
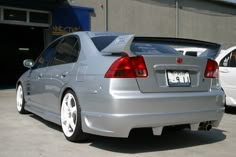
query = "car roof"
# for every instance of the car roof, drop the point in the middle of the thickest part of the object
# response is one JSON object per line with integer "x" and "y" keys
{"x": 229, "y": 49}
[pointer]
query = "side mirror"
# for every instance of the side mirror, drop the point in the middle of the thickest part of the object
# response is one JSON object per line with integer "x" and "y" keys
{"x": 28, "y": 63}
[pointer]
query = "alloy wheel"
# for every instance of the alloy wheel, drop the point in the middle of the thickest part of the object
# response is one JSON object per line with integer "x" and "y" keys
{"x": 68, "y": 115}
{"x": 19, "y": 98}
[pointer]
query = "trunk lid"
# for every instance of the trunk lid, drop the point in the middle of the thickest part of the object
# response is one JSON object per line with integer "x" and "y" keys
{"x": 171, "y": 71}
{"x": 162, "y": 69}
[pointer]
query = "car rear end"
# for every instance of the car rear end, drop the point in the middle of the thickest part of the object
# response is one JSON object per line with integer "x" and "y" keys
{"x": 148, "y": 84}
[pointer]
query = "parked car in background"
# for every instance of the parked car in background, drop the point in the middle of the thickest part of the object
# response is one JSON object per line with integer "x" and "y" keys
{"x": 107, "y": 84}
{"x": 227, "y": 67}
{"x": 191, "y": 51}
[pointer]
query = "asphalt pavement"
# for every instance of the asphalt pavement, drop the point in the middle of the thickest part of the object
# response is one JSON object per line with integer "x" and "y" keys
{"x": 30, "y": 136}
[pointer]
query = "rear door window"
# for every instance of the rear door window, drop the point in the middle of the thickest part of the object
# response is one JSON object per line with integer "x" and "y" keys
{"x": 47, "y": 55}
{"x": 67, "y": 51}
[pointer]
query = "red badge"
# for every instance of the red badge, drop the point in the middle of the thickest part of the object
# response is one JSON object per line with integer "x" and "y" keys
{"x": 179, "y": 60}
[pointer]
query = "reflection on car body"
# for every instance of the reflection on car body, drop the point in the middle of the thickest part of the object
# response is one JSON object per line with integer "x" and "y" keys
{"x": 107, "y": 84}
{"x": 191, "y": 51}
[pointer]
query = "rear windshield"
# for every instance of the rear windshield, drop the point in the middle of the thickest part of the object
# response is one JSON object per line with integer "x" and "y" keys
{"x": 140, "y": 48}
{"x": 171, "y": 46}
{"x": 166, "y": 46}
{"x": 151, "y": 48}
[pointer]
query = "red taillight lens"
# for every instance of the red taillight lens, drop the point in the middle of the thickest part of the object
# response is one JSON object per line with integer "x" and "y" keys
{"x": 212, "y": 69}
{"x": 127, "y": 67}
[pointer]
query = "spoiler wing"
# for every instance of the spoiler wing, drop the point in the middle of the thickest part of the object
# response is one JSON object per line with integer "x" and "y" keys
{"x": 123, "y": 43}
{"x": 212, "y": 49}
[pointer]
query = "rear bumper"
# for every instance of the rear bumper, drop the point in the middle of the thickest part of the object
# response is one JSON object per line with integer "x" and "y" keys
{"x": 121, "y": 125}
{"x": 153, "y": 111}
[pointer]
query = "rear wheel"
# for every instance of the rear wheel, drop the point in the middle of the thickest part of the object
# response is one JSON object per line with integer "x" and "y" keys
{"x": 71, "y": 118}
{"x": 20, "y": 100}
{"x": 228, "y": 109}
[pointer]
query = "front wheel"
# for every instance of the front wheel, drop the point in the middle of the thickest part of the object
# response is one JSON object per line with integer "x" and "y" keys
{"x": 20, "y": 100}
{"x": 71, "y": 118}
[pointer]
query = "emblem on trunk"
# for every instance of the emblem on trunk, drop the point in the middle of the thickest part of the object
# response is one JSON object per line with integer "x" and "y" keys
{"x": 179, "y": 60}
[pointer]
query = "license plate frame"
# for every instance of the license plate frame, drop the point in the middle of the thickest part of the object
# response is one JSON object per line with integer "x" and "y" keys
{"x": 178, "y": 78}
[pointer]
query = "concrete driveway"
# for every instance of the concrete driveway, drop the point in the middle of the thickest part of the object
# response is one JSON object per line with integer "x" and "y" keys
{"x": 29, "y": 135}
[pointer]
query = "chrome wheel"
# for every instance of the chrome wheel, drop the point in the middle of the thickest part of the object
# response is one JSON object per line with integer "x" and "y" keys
{"x": 69, "y": 115}
{"x": 20, "y": 99}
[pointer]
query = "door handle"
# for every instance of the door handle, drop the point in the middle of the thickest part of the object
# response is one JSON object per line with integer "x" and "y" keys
{"x": 64, "y": 74}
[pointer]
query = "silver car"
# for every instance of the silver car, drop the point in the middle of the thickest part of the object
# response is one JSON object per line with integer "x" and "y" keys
{"x": 107, "y": 84}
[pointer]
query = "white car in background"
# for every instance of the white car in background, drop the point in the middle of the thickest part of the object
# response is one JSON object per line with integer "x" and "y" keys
{"x": 227, "y": 67}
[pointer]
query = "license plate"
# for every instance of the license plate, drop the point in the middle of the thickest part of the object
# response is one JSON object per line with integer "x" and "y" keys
{"x": 178, "y": 78}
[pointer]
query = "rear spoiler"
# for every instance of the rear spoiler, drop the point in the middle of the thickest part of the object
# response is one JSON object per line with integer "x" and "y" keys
{"x": 123, "y": 42}
{"x": 180, "y": 41}
{"x": 213, "y": 48}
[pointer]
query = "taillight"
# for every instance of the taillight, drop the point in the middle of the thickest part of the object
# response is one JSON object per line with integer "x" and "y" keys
{"x": 212, "y": 69}
{"x": 127, "y": 67}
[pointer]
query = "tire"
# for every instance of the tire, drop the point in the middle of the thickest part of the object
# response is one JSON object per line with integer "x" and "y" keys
{"x": 71, "y": 118}
{"x": 228, "y": 109}
{"x": 20, "y": 100}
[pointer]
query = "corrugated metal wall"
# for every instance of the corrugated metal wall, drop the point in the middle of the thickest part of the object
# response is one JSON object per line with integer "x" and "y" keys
{"x": 145, "y": 17}
{"x": 197, "y": 19}
{"x": 207, "y": 21}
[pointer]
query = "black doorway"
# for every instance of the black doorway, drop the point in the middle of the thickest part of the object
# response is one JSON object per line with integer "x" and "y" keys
{"x": 16, "y": 44}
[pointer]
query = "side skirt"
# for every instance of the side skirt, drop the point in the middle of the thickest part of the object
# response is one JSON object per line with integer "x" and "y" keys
{"x": 49, "y": 116}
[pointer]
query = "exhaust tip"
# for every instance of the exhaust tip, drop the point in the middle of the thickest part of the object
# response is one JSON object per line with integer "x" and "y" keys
{"x": 208, "y": 127}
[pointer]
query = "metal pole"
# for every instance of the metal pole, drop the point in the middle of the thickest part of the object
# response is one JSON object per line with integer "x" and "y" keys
{"x": 176, "y": 18}
{"x": 106, "y": 17}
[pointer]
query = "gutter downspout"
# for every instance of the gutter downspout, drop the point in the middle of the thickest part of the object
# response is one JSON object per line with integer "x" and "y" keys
{"x": 176, "y": 18}
{"x": 106, "y": 16}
